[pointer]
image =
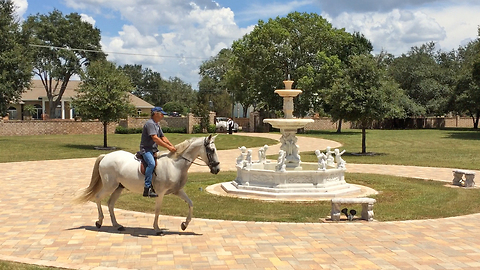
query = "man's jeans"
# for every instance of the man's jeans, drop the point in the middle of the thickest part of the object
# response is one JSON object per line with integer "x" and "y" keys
{"x": 148, "y": 157}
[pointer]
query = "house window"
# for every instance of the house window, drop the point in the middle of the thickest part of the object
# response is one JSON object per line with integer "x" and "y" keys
{"x": 12, "y": 113}
{"x": 139, "y": 112}
{"x": 38, "y": 112}
{"x": 58, "y": 111}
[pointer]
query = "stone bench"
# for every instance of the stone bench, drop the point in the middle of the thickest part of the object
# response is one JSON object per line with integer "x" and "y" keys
{"x": 367, "y": 207}
{"x": 459, "y": 181}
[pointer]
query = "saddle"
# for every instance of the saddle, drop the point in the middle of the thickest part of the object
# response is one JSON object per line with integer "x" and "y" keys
{"x": 143, "y": 163}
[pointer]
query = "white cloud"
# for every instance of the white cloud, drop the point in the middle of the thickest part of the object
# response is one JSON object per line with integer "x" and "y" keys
{"x": 177, "y": 39}
{"x": 86, "y": 18}
{"x": 399, "y": 30}
{"x": 21, "y": 6}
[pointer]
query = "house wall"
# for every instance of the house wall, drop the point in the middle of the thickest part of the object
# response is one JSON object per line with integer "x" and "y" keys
{"x": 19, "y": 108}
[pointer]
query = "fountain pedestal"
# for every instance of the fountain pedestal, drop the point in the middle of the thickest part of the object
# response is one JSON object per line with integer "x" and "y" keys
{"x": 289, "y": 125}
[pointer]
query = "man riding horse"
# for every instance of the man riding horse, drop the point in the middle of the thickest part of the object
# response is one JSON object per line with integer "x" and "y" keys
{"x": 152, "y": 136}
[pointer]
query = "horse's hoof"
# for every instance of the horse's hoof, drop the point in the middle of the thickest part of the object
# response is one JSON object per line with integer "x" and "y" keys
{"x": 98, "y": 224}
{"x": 121, "y": 228}
{"x": 184, "y": 226}
{"x": 160, "y": 233}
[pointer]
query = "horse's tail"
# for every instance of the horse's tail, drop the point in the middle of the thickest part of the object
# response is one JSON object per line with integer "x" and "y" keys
{"x": 95, "y": 184}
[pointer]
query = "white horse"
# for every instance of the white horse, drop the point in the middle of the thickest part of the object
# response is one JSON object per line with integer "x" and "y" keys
{"x": 118, "y": 170}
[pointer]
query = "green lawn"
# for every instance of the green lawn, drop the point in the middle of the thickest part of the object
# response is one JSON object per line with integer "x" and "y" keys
{"x": 399, "y": 199}
{"x": 47, "y": 147}
{"x": 4, "y": 265}
{"x": 450, "y": 148}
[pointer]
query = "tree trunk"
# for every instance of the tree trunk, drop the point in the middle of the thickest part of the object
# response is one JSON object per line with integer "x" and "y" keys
{"x": 475, "y": 123}
{"x": 364, "y": 143}
{"x": 339, "y": 128}
{"x": 105, "y": 124}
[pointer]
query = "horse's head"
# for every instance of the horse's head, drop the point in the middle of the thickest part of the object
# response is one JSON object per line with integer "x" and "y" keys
{"x": 209, "y": 155}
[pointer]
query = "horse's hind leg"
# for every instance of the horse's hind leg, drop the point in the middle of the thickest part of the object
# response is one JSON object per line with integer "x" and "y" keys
{"x": 111, "y": 203}
{"x": 105, "y": 191}
{"x": 99, "y": 222}
{"x": 181, "y": 193}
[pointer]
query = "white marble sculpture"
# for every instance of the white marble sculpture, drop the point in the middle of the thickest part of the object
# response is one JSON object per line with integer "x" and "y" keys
{"x": 330, "y": 159}
{"x": 281, "y": 161}
{"x": 248, "y": 159}
{"x": 322, "y": 160}
{"x": 338, "y": 158}
{"x": 241, "y": 158}
{"x": 261, "y": 152}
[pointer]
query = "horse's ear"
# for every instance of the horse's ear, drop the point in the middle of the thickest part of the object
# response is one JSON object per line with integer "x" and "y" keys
{"x": 213, "y": 137}
{"x": 209, "y": 138}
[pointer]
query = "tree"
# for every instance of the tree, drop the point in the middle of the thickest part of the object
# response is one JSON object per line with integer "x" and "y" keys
{"x": 149, "y": 86}
{"x": 214, "y": 83}
{"x": 467, "y": 92}
{"x": 63, "y": 47}
{"x": 290, "y": 46}
{"x": 427, "y": 76}
{"x": 15, "y": 65}
{"x": 365, "y": 93}
{"x": 104, "y": 95}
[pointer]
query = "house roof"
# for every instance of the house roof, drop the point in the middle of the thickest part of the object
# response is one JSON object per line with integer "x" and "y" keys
{"x": 37, "y": 91}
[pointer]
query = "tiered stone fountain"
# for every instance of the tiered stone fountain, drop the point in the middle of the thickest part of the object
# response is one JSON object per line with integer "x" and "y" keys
{"x": 290, "y": 178}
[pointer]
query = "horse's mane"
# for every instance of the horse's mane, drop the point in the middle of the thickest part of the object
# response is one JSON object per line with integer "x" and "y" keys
{"x": 181, "y": 147}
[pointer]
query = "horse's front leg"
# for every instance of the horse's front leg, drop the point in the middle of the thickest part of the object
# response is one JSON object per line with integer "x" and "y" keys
{"x": 181, "y": 193}
{"x": 158, "y": 205}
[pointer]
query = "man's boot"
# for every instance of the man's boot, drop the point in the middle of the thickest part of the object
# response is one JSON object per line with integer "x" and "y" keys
{"x": 149, "y": 192}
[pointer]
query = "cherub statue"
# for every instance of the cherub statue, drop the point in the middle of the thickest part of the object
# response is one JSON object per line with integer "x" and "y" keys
{"x": 322, "y": 160}
{"x": 281, "y": 161}
{"x": 248, "y": 159}
{"x": 261, "y": 154}
{"x": 240, "y": 158}
{"x": 338, "y": 158}
{"x": 330, "y": 160}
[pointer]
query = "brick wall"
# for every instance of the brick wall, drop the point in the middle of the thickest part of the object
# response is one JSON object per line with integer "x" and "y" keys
{"x": 47, "y": 127}
{"x": 324, "y": 123}
{"x": 50, "y": 127}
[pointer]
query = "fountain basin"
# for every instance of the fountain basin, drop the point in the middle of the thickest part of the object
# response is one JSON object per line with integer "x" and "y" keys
{"x": 288, "y": 124}
{"x": 288, "y": 92}
{"x": 303, "y": 182}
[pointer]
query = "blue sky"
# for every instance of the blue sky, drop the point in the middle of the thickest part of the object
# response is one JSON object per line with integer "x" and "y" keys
{"x": 173, "y": 37}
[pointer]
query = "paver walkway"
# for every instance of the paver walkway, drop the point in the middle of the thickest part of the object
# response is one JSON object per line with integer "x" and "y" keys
{"x": 40, "y": 225}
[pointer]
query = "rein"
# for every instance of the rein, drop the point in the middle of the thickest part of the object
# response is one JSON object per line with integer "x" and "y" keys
{"x": 193, "y": 161}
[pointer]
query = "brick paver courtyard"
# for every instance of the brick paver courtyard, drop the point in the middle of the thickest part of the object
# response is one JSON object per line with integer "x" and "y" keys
{"x": 39, "y": 224}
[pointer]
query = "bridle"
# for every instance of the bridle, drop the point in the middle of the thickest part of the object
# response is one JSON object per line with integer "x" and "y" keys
{"x": 210, "y": 151}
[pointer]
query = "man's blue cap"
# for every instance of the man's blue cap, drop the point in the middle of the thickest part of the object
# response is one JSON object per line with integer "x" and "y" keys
{"x": 158, "y": 109}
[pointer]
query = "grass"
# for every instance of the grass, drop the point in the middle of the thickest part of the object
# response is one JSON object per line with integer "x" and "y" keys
{"x": 4, "y": 265}
{"x": 447, "y": 148}
{"x": 400, "y": 199}
{"x": 48, "y": 147}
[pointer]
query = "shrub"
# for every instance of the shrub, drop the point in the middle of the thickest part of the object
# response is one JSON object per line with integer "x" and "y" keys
{"x": 197, "y": 129}
{"x": 211, "y": 128}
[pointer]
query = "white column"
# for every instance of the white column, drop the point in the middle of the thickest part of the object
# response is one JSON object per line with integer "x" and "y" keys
{"x": 43, "y": 106}
{"x": 71, "y": 113}
{"x": 63, "y": 109}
